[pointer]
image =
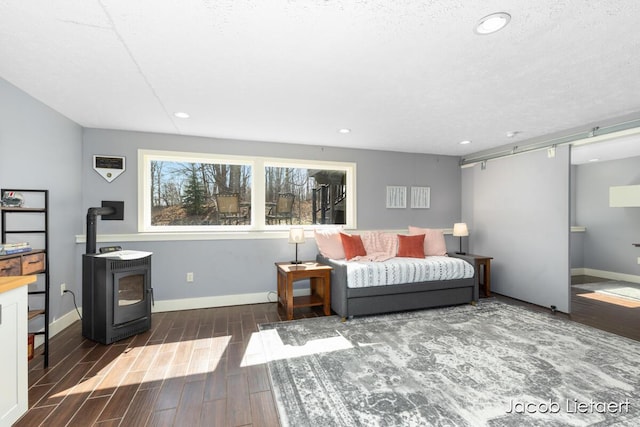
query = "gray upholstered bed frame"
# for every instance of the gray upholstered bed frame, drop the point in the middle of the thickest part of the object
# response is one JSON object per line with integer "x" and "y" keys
{"x": 348, "y": 302}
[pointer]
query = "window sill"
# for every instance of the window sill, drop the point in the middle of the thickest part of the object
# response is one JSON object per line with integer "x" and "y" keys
{"x": 227, "y": 235}
{"x": 182, "y": 236}
{"x": 213, "y": 235}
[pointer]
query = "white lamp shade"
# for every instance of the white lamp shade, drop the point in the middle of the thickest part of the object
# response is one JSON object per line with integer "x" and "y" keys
{"x": 296, "y": 235}
{"x": 460, "y": 229}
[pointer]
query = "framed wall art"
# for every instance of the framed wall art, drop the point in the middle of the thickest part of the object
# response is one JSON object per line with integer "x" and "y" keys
{"x": 396, "y": 197}
{"x": 420, "y": 197}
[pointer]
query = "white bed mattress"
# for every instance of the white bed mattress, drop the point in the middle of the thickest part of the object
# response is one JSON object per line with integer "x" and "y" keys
{"x": 361, "y": 274}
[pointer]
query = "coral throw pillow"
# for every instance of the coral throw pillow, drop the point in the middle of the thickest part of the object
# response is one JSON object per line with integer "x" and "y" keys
{"x": 411, "y": 246}
{"x": 434, "y": 244}
{"x": 329, "y": 243}
{"x": 352, "y": 244}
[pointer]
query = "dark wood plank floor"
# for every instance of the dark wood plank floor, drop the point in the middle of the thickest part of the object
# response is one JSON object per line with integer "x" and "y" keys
{"x": 618, "y": 315}
{"x": 188, "y": 370}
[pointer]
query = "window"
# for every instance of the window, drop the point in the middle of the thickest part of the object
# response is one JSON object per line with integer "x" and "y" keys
{"x": 204, "y": 192}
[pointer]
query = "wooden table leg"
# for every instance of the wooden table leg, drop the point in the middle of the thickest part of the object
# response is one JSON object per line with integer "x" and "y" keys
{"x": 279, "y": 287}
{"x": 320, "y": 287}
{"x": 282, "y": 292}
{"x": 289, "y": 297}
{"x": 326, "y": 280}
{"x": 487, "y": 278}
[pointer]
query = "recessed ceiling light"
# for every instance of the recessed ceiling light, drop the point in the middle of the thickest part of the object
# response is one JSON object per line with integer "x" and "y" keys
{"x": 465, "y": 142}
{"x": 492, "y": 23}
{"x": 513, "y": 133}
{"x": 181, "y": 115}
{"x": 344, "y": 130}
{"x": 594, "y": 160}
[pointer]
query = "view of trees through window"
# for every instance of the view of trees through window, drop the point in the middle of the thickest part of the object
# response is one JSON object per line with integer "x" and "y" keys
{"x": 185, "y": 193}
{"x": 304, "y": 196}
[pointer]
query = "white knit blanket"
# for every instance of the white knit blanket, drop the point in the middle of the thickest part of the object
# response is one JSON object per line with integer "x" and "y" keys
{"x": 398, "y": 270}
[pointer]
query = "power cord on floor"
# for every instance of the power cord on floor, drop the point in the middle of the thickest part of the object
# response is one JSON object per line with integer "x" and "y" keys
{"x": 74, "y": 301}
{"x": 269, "y": 296}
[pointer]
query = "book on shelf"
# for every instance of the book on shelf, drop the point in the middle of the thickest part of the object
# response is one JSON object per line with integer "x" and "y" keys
{"x": 14, "y": 245}
{"x": 14, "y": 250}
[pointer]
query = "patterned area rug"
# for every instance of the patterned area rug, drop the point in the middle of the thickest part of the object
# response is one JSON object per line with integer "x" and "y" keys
{"x": 487, "y": 365}
{"x": 616, "y": 289}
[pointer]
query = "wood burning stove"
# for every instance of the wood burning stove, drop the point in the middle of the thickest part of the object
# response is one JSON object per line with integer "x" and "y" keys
{"x": 116, "y": 290}
{"x": 116, "y": 296}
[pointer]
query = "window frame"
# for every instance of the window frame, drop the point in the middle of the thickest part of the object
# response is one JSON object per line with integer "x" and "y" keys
{"x": 258, "y": 169}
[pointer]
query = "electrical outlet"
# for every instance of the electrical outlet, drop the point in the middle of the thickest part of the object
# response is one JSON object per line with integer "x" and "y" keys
{"x": 189, "y": 277}
{"x": 63, "y": 288}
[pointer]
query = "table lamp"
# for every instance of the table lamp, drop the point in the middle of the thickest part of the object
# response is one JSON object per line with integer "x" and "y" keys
{"x": 296, "y": 235}
{"x": 460, "y": 230}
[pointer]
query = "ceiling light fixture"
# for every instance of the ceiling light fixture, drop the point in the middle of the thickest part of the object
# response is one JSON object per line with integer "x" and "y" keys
{"x": 181, "y": 115}
{"x": 492, "y": 23}
{"x": 465, "y": 142}
{"x": 345, "y": 130}
{"x": 513, "y": 133}
{"x": 593, "y": 160}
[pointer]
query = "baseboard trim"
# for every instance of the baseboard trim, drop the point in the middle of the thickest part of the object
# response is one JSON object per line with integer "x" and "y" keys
{"x": 57, "y": 326}
{"x": 68, "y": 319}
{"x": 220, "y": 301}
{"x": 611, "y": 275}
{"x": 208, "y": 302}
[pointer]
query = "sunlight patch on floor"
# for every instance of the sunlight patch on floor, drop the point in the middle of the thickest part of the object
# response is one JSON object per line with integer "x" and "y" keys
{"x": 256, "y": 352}
{"x": 206, "y": 355}
{"x": 623, "y": 302}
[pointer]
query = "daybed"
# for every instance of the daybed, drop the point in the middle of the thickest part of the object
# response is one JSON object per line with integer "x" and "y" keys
{"x": 365, "y": 287}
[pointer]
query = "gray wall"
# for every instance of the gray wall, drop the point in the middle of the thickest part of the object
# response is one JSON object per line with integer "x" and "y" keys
{"x": 230, "y": 267}
{"x": 41, "y": 149}
{"x": 609, "y": 232}
{"x": 518, "y": 213}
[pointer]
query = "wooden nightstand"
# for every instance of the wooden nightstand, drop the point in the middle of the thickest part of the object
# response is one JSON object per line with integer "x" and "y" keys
{"x": 319, "y": 276}
{"x": 482, "y": 264}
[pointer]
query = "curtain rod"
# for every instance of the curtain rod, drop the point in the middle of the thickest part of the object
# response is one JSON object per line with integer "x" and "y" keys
{"x": 596, "y": 134}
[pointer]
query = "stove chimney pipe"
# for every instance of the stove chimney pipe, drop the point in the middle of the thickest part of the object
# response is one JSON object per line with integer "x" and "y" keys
{"x": 92, "y": 215}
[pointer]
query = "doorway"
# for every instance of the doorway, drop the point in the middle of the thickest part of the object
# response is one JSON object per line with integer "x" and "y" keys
{"x": 605, "y": 274}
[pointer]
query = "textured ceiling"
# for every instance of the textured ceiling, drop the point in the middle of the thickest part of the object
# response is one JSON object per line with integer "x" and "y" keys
{"x": 402, "y": 75}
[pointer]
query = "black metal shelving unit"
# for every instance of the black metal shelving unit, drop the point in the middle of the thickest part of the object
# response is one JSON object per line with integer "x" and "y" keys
{"x": 44, "y": 231}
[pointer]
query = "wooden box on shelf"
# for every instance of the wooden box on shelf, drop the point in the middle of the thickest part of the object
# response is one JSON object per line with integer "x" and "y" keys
{"x": 22, "y": 264}
{"x": 32, "y": 263}
{"x": 10, "y": 265}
